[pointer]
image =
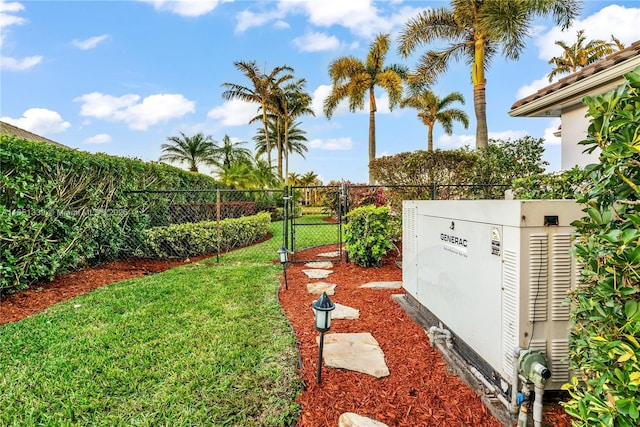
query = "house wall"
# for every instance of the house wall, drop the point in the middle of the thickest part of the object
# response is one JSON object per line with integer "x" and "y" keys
{"x": 574, "y": 130}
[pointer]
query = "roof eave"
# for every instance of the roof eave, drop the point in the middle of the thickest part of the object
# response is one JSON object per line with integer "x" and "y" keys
{"x": 548, "y": 105}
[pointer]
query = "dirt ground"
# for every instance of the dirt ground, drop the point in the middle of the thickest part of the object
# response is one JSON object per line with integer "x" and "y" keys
{"x": 420, "y": 391}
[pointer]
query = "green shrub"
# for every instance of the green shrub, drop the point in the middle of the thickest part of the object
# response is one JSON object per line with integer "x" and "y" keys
{"x": 367, "y": 235}
{"x": 605, "y": 336}
{"x": 561, "y": 185}
{"x": 206, "y": 237}
{"x": 61, "y": 209}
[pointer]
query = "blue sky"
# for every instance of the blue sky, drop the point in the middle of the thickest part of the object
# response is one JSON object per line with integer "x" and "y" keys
{"x": 119, "y": 77}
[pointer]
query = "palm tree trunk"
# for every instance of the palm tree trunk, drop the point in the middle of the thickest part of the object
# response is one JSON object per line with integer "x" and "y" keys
{"x": 266, "y": 133}
{"x": 430, "y": 140}
{"x": 372, "y": 132}
{"x": 279, "y": 148}
{"x": 479, "y": 96}
{"x": 286, "y": 149}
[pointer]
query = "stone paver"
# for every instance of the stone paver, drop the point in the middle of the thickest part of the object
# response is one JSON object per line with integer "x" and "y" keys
{"x": 358, "y": 352}
{"x": 383, "y": 285}
{"x": 335, "y": 254}
{"x": 319, "y": 264}
{"x": 317, "y": 273}
{"x": 318, "y": 288}
{"x": 345, "y": 312}
{"x": 350, "y": 419}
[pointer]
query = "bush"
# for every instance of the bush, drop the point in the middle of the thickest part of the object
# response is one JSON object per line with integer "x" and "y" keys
{"x": 193, "y": 239}
{"x": 61, "y": 209}
{"x": 367, "y": 235}
{"x": 605, "y": 313}
{"x": 563, "y": 185}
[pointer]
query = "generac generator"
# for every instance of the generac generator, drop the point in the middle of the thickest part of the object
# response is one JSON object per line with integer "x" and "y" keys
{"x": 495, "y": 274}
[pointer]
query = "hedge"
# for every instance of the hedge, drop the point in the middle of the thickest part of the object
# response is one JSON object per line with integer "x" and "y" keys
{"x": 206, "y": 237}
{"x": 61, "y": 209}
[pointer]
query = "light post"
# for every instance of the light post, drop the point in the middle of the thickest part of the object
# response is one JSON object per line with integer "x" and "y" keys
{"x": 322, "y": 308}
{"x": 283, "y": 254}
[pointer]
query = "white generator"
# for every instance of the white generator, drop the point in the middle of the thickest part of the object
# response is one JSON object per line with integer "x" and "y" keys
{"x": 495, "y": 273}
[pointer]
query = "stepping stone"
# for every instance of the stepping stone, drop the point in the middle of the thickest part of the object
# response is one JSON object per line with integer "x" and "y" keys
{"x": 319, "y": 287}
{"x": 319, "y": 264}
{"x": 317, "y": 273}
{"x": 335, "y": 254}
{"x": 350, "y": 419}
{"x": 383, "y": 285}
{"x": 345, "y": 312}
{"x": 358, "y": 352}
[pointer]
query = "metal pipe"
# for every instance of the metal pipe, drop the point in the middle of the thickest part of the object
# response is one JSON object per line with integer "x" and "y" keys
{"x": 537, "y": 406}
{"x": 436, "y": 333}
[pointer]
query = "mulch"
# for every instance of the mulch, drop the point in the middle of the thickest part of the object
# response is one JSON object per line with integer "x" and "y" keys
{"x": 421, "y": 390}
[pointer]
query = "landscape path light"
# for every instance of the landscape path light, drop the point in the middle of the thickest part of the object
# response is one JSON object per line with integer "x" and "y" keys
{"x": 283, "y": 253}
{"x": 322, "y": 308}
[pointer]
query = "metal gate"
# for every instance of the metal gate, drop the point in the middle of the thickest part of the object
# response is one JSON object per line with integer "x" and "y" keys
{"x": 304, "y": 231}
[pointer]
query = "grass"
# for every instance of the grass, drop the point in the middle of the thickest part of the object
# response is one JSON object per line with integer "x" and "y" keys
{"x": 202, "y": 344}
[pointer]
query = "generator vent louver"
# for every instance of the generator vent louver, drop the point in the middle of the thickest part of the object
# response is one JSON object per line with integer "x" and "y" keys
{"x": 509, "y": 308}
{"x": 559, "y": 361}
{"x": 538, "y": 277}
{"x": 409, "y": 215}
{"x": 561, "y": 276}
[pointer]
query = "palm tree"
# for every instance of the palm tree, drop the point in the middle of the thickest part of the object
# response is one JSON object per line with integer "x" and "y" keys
{"x": 238, "y": 176}
{"x": 296, "y": 139}
{"x": 475, "y": 30}
{"x": 265, "y": 176}
{"x": 432, "y": 109}
{"x": 191, "y": 150}
{"x": 230, "y": 153}
{"x": 289, "y": 103}
{"x": 353, "y": 79}
{"x": 261, "y": 93}
{"x": 579, "y": 55}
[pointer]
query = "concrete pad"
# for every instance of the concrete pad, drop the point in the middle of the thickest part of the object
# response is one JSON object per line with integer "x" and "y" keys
{"x": 318, "y": 288}
{"x": 383, "y": 285}
{"x": 345, "y": 312}
{"x": 317, "y": 273}
{"x": 358, "y": 352}
{"x": 335, "y": 254}
{"x": 319, "y": 264}
{"x": 350, "y": 419}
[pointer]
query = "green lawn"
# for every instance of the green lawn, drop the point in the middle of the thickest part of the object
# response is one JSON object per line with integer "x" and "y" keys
{"x": 202, "y": 344}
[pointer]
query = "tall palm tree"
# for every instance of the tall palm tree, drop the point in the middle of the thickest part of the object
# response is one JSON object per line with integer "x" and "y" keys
{"x": 261, "y": 93}
{"x": 290, "y": 103}
{"x": 192, "y": 150}
{"x": 353, "y": 79}
{"x": 432, "y": 109}
{"x": 475, "y": 30}
{"x": 296, "y": 138}
{"x": 579, "y": 55}
{"x": 230, "y": 153}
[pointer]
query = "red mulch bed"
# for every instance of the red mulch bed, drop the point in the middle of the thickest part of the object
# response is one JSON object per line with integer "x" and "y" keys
{"x": 420, "y": 391}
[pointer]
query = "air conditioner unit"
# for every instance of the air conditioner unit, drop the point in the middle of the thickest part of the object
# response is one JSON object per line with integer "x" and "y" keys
{"x": 496, "y": 274}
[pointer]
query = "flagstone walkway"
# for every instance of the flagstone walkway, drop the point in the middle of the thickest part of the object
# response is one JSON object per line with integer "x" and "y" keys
{"x": 359, "y": 352}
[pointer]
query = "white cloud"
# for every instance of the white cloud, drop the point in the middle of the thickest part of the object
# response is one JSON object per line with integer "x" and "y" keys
{"x": 455, "y": 141}
{"x": 13, "y": 64}
{"x": 101, "y": 138}
{"x": 189, "y": 8}
{"x": 549, "y": 138}
{"x": 533, "y": 87}
{"x": 40, "y": 121}
{"x": 316, "y": 42}
{"x": 8, "y": 19}
{"x": 234, "y": 112}
{"x": 618, "y": 20}
{"x": 361, "y": 17}
{"x": 89, "y": 43}
{"x": 508, "y": 134}
{"x": 138, "y": 115}
{"x": 318, "y": 97}
{"x": 332, "y": 144}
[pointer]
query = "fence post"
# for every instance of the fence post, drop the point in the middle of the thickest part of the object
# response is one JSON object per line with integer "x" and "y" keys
{"x": 434, "y": 190}
{"x": 219, "y": 236}
{"x": 285, "y": 216}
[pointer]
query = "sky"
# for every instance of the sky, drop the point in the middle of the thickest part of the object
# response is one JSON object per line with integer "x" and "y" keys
{"x": 119, "y": 77}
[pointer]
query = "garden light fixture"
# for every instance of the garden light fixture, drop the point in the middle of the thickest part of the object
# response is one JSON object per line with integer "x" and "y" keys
{"x": 322, "y": 308}
{"x": 283, "y": 254}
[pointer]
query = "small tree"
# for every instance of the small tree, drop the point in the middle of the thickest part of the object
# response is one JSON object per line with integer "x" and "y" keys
{"x": 605, "y": 336}
{"x": 367, "y": 235}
